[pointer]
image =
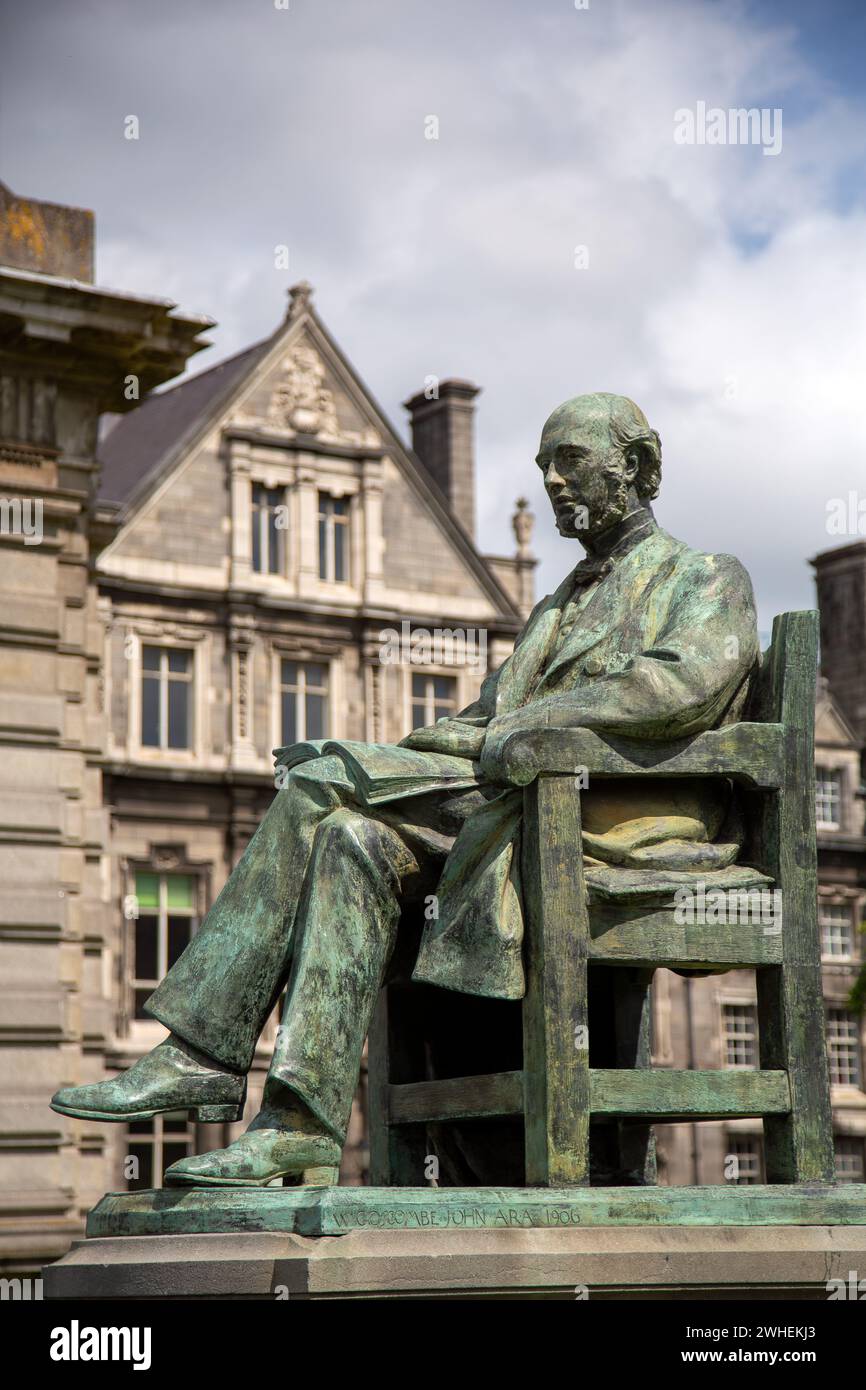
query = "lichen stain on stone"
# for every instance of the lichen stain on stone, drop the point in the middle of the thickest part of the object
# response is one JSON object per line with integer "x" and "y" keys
{"x": 26, "y": 227}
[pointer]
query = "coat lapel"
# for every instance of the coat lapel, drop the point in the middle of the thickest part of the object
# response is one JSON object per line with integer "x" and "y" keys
{"x": 619, "y": 596}
{"x": 519, "y": 671}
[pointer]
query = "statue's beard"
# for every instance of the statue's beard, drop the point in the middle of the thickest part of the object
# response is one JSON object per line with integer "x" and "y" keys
{"x": 608, "y": 514}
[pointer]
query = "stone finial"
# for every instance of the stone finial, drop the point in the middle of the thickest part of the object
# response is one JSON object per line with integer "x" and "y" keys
{"x": 300, "y": 297}
{"x": 523, "y": 523}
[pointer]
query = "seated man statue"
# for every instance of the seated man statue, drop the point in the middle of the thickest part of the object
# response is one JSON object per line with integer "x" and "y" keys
{"x": 643, "y": 637}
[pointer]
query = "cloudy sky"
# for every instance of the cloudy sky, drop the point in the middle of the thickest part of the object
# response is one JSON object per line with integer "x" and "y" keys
{"x": 725, "y": 289}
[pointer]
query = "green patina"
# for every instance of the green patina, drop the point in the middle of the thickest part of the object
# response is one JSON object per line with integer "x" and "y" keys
{"x": 633, "y": 743}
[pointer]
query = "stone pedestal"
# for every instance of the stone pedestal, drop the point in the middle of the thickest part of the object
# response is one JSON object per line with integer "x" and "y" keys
{"x": 789, "y": 1262}
{"x": 278, "y": 1243}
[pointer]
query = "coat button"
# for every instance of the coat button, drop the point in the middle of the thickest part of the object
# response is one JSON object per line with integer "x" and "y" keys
{"x": 593, "y": 667}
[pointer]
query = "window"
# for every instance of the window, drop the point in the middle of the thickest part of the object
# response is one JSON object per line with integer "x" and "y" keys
{"x": 333, "y": 538}
{"x": 837, "y": 930}
{"x": 850, "y": 1163}
{"x": 748, "y": 1150}
{"x": 843, "y": 1047}
{"x": 266, "y": 532}
{"x": 166, "y": 697}
{"x": 433, "y": 697}
{"x": 303, "y": 700}
{"x": 828, "y": 797}
{"x": 165, "y": 920}
{"x": 740, "y": 1035}
{"x": 156, "y": 1144}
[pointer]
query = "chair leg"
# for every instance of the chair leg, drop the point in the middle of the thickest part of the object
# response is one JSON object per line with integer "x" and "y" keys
{"x": 397, "y": 1152}
{"x": 633, "y": 1008}
{"x": 555, "y": 1010}
{"x": 798, "y": 1147}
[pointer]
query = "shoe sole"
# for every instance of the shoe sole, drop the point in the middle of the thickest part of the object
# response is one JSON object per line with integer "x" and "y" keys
{"x": 207, "y": 1114}
{"x": 322, "y": 1176}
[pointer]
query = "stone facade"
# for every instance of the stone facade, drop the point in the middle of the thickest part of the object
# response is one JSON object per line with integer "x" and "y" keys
{"x": 256, "y": 533}
{"x": 67, "y": 350}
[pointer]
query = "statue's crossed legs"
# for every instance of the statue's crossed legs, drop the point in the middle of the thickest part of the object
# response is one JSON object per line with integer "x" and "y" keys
{"x": 313, "y": 908}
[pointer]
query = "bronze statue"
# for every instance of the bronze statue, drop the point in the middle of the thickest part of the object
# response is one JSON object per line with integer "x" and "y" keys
{"x": 644, "y": 637}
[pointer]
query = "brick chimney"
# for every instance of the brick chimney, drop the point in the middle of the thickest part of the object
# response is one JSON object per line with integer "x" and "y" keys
{"x": 443, "y": 439}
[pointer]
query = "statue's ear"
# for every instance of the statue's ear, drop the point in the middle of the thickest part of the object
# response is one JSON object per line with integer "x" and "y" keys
{"x": 631, "y": 463}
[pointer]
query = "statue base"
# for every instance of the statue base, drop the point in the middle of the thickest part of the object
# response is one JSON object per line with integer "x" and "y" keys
{"x": 345, "y": 1242}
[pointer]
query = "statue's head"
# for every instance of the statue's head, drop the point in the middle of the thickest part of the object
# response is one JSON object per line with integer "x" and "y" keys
{"x": 600, "y": 461}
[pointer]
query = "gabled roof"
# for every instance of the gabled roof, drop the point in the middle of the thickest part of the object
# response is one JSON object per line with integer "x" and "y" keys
{"x": 826, "y": 704}
{"x": 143, "y": 444}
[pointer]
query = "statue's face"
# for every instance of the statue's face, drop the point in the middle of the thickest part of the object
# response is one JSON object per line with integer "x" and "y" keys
{"x": 585, "y": 475}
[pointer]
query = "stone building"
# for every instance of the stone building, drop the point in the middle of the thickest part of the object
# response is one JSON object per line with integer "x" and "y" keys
{"x": 257, "y": 560}
{"x": 67, "y": 353}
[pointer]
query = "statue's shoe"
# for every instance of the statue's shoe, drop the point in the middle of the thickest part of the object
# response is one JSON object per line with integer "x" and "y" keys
{"x": 258, "y": 1158}
{"x": 168, "y": 1078}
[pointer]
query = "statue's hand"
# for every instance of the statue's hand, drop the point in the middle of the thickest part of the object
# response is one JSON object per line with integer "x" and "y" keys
{"x": 496, "y": 733}
{"x": 448, "y": 736}
{"x": 553, "y": 712}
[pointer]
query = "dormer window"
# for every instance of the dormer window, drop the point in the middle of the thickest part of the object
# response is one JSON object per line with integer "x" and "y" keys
{"x": 267, "y": 507}
{"x": 333, "y": 538}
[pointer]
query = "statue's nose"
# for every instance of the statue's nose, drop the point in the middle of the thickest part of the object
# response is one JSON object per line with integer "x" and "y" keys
{"x": 552, "y": 478}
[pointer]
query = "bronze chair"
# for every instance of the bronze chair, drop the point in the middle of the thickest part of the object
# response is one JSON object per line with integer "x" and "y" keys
{"x": 556, "y": 1091}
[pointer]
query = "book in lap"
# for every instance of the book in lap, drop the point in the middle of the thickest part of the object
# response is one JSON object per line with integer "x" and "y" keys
{"x": 385, "y": 772}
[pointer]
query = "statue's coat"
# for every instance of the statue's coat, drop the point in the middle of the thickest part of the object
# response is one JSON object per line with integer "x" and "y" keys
{"x": 660, "y": 646}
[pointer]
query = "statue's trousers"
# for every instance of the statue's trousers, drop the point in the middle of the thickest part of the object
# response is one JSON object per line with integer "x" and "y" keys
{"x": 312, "y": 908}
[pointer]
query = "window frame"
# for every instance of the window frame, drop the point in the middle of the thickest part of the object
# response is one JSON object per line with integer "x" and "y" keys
{"x": 728, "y": 1037}
{"x": 258, "y": 522}
{"x": 199, "y": 643}
{"x": 847, "y": 907}
{"x": 857, "y": 1142}
{"x": 135, "y": 983}
{"x": 831, "y": 774}
{"x": 753, "y": 1143}
{"x": 305, "y": 659}
{"x": 164, "y": 677}
{"x": 325, "y": 516}
{"x": 157, "y": 1140}
{"x": 431, "y": 702}
{"x": 131, "y": 1031}
{"x": 838, "y": 1046}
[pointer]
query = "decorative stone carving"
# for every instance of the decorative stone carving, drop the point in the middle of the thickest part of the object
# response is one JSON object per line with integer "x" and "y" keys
{"x": 523, "y": 523}
{"x": 165, "y": 858}
{"x": 302, "y": 401}
{"x": 300, "y": 299}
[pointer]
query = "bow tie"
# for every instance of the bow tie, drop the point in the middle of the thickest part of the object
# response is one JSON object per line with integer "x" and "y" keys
{"x": 589, "y": 570}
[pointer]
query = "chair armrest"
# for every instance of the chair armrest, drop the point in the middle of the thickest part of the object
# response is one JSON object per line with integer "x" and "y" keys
{"x": 750, "y": 753}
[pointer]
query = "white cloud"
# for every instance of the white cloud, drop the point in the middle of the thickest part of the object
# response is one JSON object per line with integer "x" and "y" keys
{"x": 456, "y": 256}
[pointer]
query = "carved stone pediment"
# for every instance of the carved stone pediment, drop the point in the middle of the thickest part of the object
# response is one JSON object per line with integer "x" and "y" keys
{"x": 302, "y": 403}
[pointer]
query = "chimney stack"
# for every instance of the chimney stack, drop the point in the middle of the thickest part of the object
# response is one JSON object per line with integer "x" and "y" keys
{"x": 443, "y": 439}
